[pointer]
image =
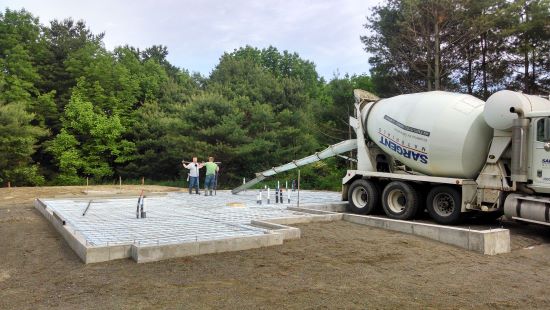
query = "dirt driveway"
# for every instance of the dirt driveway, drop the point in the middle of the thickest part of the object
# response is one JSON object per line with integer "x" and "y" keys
{"x": 333, "y": 265}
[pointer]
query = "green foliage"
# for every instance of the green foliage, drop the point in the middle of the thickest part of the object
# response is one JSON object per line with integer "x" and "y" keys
{"x": 131, "y": 113}
{"x": 19, "y": 32}
{"x": 90, "y": 142}
{"x": 17, "y": 143}
{"x": 477, "y": 47}
{"x": 160, "y": 139}
{"x": 530, "y": 43}
{"x": 71, "y": 109}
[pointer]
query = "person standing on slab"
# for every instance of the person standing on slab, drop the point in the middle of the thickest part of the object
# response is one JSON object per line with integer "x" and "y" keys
{"x": 193, "y": 167}
{"x": 211, "y": 171}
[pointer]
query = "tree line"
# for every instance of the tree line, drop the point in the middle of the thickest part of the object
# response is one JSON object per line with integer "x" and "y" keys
{"x": 470, "y": 46}
{"x": 70, "y": 109}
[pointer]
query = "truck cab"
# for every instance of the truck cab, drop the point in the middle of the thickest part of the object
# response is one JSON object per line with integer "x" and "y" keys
{"x": 539, "y": 159}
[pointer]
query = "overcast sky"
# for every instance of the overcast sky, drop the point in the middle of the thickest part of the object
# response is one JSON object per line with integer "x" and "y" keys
{"x": 198, "y": 32}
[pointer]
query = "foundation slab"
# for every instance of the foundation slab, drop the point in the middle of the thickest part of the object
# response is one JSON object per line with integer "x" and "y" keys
{"x": 177, "y": 224}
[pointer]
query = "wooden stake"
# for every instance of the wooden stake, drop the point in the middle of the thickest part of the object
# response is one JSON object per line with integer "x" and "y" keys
{"x": 120, "y": 182}
{"x": 9, "y": 184}
{"x": 142, "y": 181}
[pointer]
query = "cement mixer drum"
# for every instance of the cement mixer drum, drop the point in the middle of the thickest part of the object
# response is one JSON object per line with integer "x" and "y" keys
{"x": 436, "y": 133}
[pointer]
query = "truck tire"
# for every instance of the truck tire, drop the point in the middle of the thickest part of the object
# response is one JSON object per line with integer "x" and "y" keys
{"x": 444, "y": 205}
{"x": 363, "y": 197}
{"x": 400, "y": 200}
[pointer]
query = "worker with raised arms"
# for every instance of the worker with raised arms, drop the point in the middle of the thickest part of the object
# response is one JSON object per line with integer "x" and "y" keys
{"x": 193, "y": 167}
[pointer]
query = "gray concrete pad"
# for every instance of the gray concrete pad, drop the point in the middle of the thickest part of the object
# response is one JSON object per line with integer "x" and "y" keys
{"x": 489, "y": 241}
{"x": 179, "y": 224}
{"x": 224, "y": 222}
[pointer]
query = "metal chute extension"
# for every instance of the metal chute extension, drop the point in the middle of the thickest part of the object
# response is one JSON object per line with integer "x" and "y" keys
{"x": 333, "y": 150}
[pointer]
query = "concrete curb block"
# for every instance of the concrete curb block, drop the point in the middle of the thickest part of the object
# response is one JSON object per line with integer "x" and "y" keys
{"x": 287, "y": 231}
{"x": 152, "y": 253}
{"x": 332, "y": 207}
{"x": 490, "y": 242}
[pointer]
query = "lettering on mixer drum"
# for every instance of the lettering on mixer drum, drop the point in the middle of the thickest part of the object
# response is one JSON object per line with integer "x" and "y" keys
{"x": 403, "y": 151}
{"x": 407, "y": 128}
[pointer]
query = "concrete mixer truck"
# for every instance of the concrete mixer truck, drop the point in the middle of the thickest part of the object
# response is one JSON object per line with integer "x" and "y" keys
{"x": 450, "y": 154}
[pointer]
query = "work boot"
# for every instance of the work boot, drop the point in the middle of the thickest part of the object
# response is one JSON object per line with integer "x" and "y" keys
{"x": 190, "y": 191}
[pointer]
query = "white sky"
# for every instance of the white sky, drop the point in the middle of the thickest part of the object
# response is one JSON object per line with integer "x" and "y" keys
{"x": 198, "y": 32}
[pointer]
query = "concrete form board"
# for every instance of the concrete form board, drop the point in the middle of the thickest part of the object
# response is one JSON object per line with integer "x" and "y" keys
{"x": 330, "y": 207}
{"x": 153, "y": 253}
{"x": 77, "y": 245}
{"x": 496, "y": 241}
{"x": 490, "y": 242}
{"x": 287, "y": 231}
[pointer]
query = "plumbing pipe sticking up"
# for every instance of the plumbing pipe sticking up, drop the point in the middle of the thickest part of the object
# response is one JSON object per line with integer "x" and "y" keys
{"x": 137, "y": 209}
{"x": 288, "y": 195}
{"x": 260, "y": 196}
{"x": 258, "y": 201}
{"x": 298, "y": 188}
{"x": 277, "y": 195}
{"x": 142, "y": 205}
{"x": 268, "y": 196}
{"x": 287, "y": 191}
{"x": 138, "y": 204}
{"x": 281, "y": 195}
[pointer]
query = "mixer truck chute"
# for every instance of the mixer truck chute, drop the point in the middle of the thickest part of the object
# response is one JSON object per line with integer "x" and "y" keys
{"x": 333, "y": 150}
{"x": 451, "y": 154}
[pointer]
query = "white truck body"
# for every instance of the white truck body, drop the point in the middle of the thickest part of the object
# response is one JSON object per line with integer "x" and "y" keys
{"x": 465, "y": 154}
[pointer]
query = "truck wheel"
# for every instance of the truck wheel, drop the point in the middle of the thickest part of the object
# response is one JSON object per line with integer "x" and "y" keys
{"x": 400, "y": 200}
{"x": 363, "y": 196}
{"x": 444, "y": 204}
